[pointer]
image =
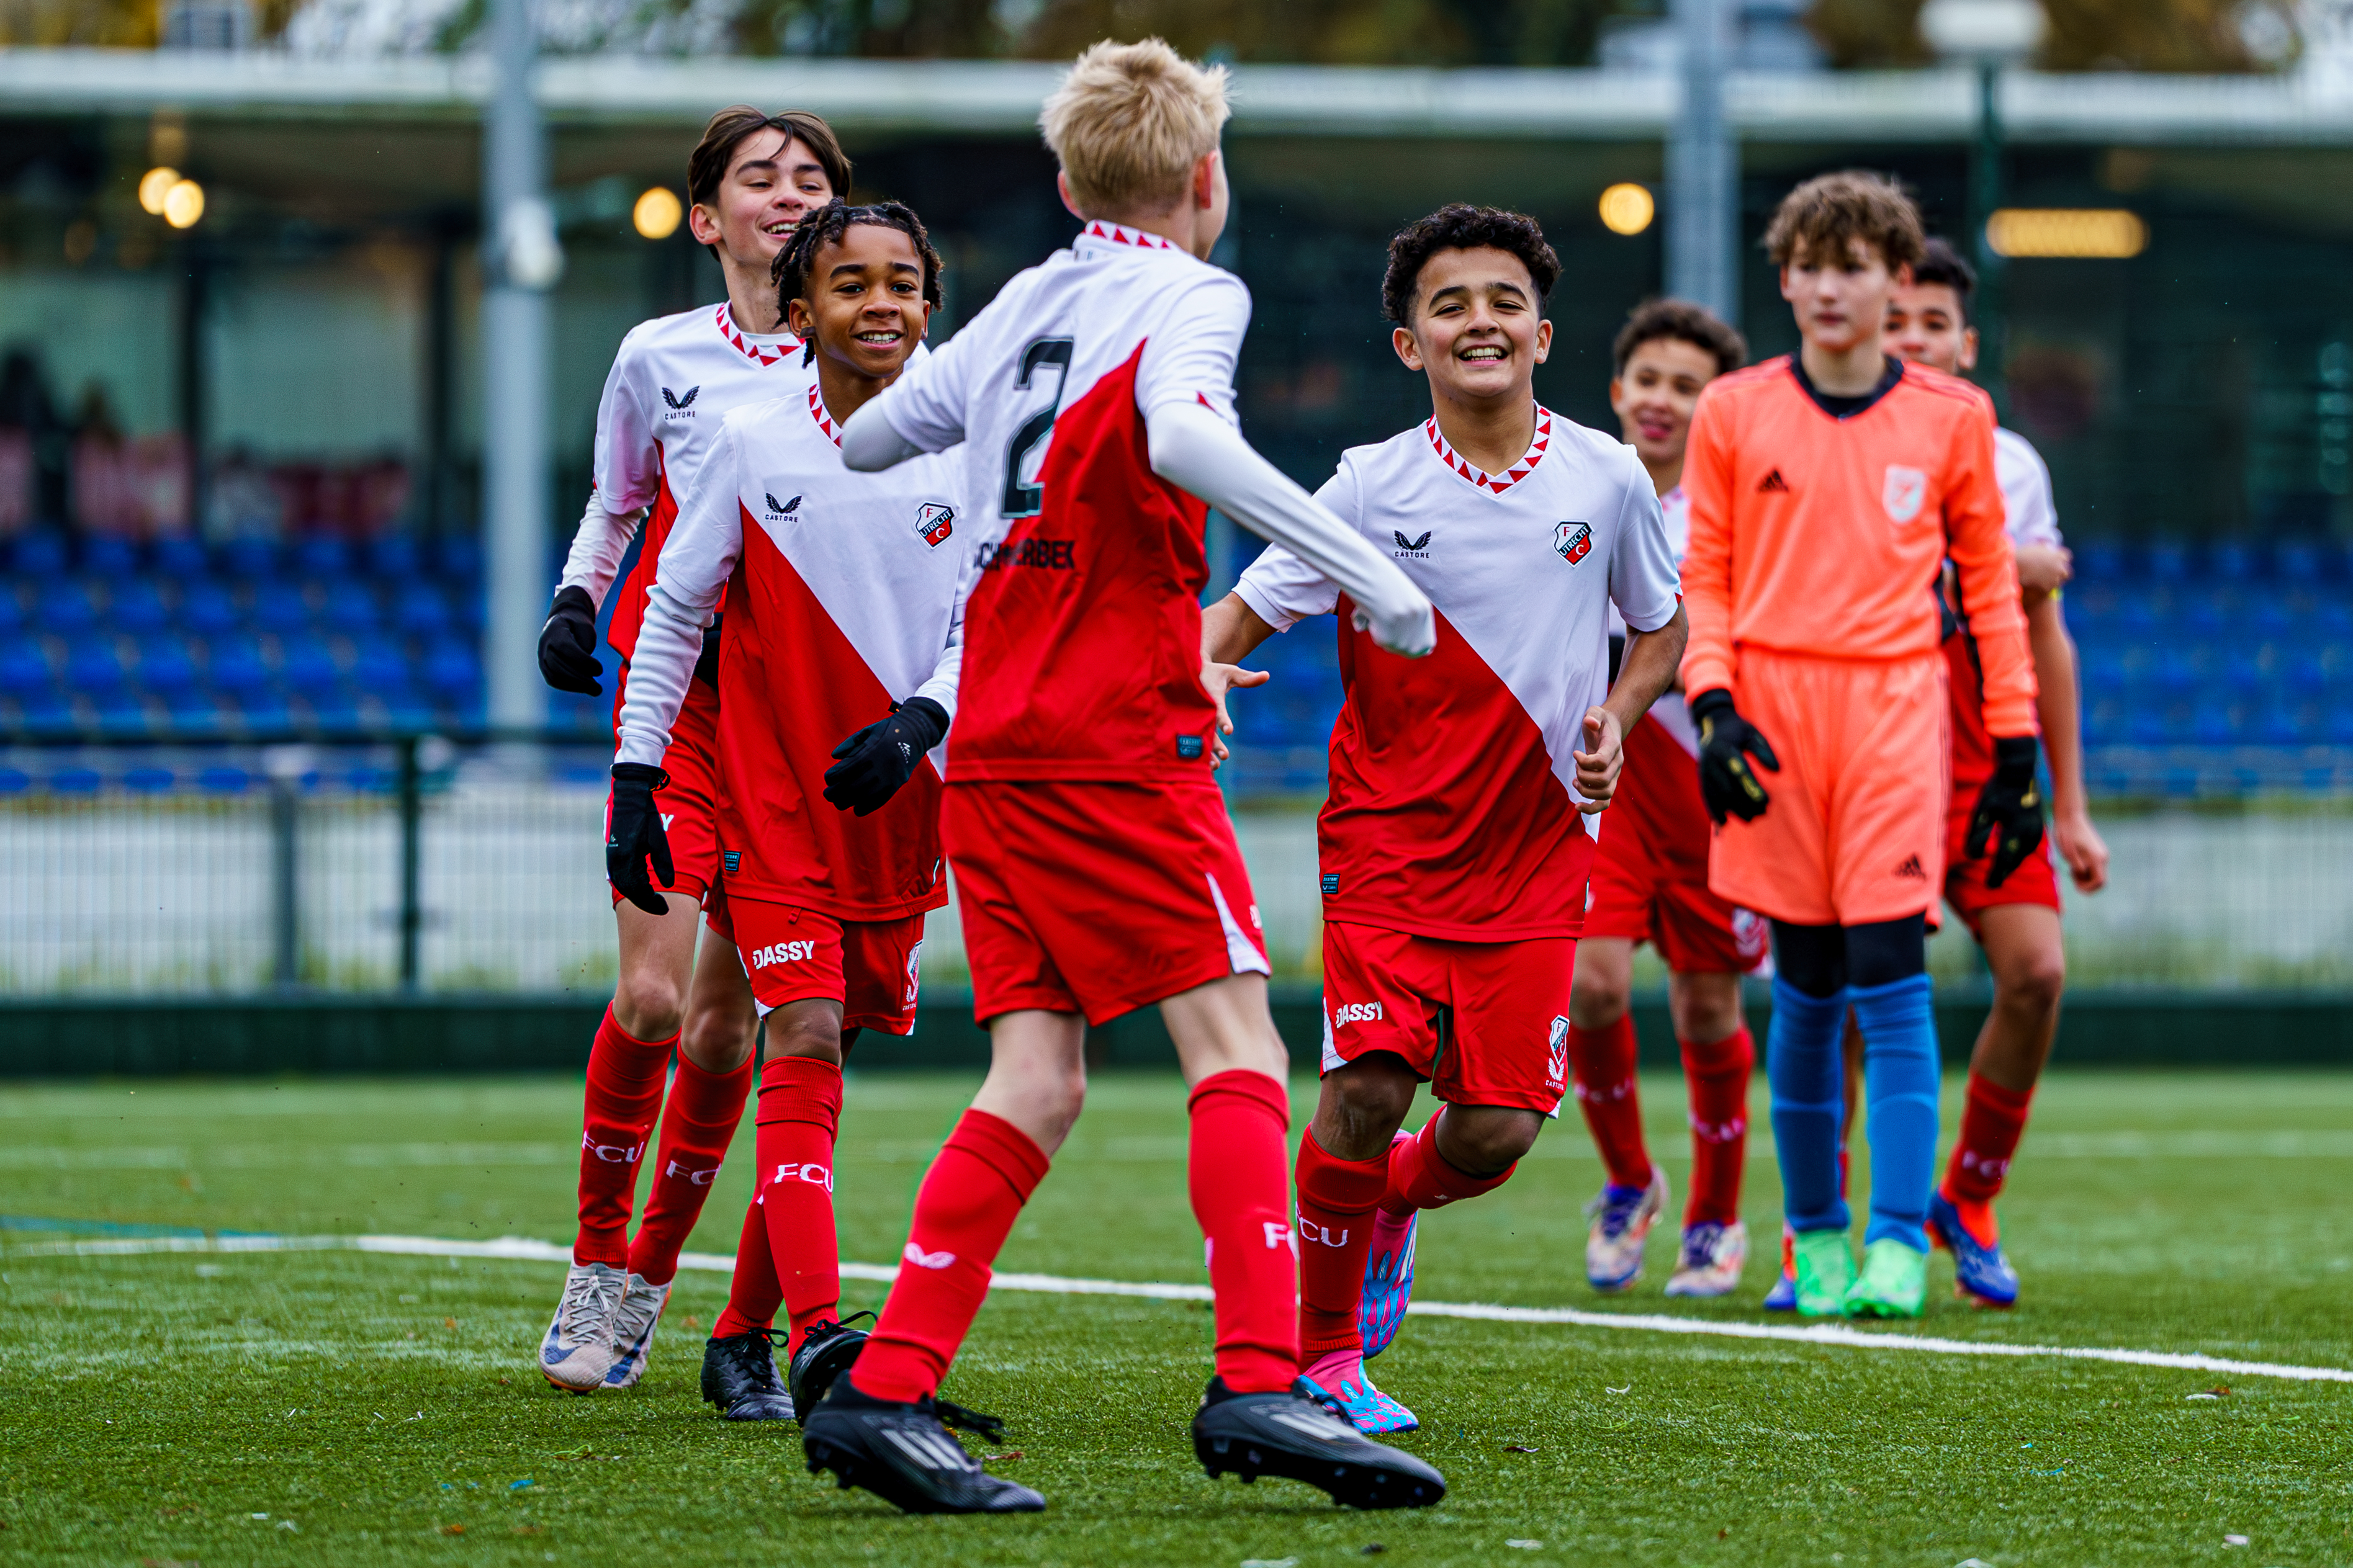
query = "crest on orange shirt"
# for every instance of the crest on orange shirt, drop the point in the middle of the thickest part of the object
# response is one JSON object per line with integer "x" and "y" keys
{"x": 1905, "y": 491}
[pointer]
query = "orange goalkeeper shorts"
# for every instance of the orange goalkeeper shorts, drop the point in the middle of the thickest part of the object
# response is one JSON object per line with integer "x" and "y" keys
{"x": 1855, "y": 832}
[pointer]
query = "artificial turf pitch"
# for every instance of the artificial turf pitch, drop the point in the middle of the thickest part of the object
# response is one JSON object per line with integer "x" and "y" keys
{"x": 334, "y": 1406}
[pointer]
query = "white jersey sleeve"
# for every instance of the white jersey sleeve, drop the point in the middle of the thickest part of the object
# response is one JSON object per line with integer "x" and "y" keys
{"x": 1282, "y": 590}
{"x": 928, "y": 405}
{"x": 697, "y": 559}
{"x": 2025, "y": 480}
{"x": 1645, "y": 580}
{"x": 1191, "y": 357}
{"x": 941, "y": 688}
{"x": 598, "y": 547}
{"x": 628, "y": 460}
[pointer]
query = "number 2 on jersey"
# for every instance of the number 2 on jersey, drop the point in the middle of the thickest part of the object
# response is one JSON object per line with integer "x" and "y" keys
{"x": 1023, "y": 499}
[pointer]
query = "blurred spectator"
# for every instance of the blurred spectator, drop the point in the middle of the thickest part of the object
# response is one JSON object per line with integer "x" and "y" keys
{"x": 105, "y": 491}
{"x": 354, "y": 502}
{"x": 241, "y": 502}
{"x": 32, "y": 436}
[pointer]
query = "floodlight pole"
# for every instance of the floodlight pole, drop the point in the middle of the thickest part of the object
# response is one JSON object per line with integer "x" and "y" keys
{"x": 1985, "y": 200}
{"x": 1703, "y": 168}
{"x": 522, "y": 261}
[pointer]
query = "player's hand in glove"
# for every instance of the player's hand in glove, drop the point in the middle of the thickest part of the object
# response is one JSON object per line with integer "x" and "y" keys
{"x": 635, "y": 836}
{"x": 567, "y": 644}
{"x": 884, "y": 755}
{"x": 2010, "y": 810}
{"x": 1726, "y": 742}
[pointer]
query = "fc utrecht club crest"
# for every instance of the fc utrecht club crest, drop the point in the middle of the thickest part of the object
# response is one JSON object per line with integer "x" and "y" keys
{"x": 1907, "y": 490}
{"x": 935, "y": 521}
{"x": 1558, "y": 1060}
{"x": 1572, "y": 541}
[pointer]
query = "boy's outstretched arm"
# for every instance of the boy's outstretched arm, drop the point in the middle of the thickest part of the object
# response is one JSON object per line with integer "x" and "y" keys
{"x": 1647, "y": 671}
{"x": 1195, "y": 449}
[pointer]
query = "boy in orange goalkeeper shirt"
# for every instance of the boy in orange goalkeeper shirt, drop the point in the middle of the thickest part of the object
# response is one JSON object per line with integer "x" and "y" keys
{"x": 1827, "y": 488}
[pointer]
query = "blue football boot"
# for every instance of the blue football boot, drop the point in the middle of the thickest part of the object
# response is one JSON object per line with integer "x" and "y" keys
{"x": 1982, "y": 1273}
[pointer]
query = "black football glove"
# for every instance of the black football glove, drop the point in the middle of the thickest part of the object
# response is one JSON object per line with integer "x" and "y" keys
{"x": 884, "y": 755}
{"x": 2010, "y": 810}
{"x": 1727, "y": 781}
{"x": 636, "y": 837}
{"x": 567, "y": 644}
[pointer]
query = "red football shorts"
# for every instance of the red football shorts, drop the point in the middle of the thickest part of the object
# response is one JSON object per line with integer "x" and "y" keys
{"x": 2036, "y": 880}
{"x": 1483, "y": 1023}
{"x": 870, "y": 967}
{"x": 1855, "y": 833}
{"x": 1097, "y": 897}
{"x": 690, "y": 802}
{"x": 1648, "y": 882}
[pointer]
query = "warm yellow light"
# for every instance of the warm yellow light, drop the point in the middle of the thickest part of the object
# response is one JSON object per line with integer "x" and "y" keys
{"x": 656, "y": 212}
{"x": 1627, "y": 209}
{"x": 154, "y": 186}
{"x": 2103, "y": 233}
{"x": 184, "y": 203}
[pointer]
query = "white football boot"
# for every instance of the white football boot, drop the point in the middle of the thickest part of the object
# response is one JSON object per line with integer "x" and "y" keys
{"x": 1622, "y": 1217}
{"x": 1711, "y": 1260}
{"x": 633, "y": 1330}
{"x": 578, "y": 1350}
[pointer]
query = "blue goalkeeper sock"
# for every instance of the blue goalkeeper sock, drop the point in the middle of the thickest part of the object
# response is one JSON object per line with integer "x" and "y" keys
{"x": 1807, "y": 1076}
{"x": 1899, "y": 1095}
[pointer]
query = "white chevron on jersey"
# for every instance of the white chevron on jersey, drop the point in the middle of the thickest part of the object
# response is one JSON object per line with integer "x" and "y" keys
{"x": 1525, "y": 565}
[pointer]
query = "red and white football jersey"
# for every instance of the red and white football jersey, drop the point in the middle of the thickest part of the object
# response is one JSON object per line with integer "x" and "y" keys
{"x": 1452, "y": 809}
{"x": 1084, "y": 622}
{"x": 841, "y": 598}
{"x": 674, "y": 379}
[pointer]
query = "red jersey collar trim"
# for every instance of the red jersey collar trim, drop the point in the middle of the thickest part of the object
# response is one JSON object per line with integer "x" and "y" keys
{"x": 824, "y": 420}
{"x": 1510, "y": 477}
{"x": 1118, "y": 233}
{"x": 758, "y": 354}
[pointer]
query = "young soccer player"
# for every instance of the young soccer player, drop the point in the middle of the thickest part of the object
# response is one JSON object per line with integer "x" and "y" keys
{"x": 840, "y": 618}
{"x": 1827, "y": 488}
{"x": 1453, "y": 844}
{"x": 2016, "y": 920}
{"x": 752, "y": 177}
{"x": 1649, "y": 884}
{"x": 1096, "y": 870}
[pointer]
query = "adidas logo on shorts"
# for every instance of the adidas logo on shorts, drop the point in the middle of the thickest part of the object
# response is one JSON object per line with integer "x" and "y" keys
{"x": 1912, "y": 868}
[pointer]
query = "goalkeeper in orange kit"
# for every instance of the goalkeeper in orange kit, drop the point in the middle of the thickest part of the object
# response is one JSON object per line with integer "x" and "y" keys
{"x": 1827, "y": 488}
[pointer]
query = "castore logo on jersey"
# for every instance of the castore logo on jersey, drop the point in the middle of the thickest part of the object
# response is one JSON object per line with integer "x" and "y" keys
{"x": 778, "y": 510}
{"x": 681, "y": 407}
{"x": 1416, "y": 547}
{"x": 1572, "y": 541}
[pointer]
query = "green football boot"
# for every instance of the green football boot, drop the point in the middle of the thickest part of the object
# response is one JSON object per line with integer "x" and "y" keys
{"x": 1893, "y": 1283}
{"x": 1825, "y": 1273}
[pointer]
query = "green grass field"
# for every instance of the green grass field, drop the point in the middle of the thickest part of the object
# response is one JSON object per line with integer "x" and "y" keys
{"x": 344, "y": 1407}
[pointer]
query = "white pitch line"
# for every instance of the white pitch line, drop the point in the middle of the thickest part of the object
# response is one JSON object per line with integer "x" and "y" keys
{"x": 1831, "y": 1336}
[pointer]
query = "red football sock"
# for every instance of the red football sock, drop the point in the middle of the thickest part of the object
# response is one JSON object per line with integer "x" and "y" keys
{"x": 1717, "y": 1075}
{"x": 800, "y": 1112}
{"x": 1601, "y": 1062}
{"x": 754, "y": 1295}
{"x": 1337, "y": 1202}
{"x": 1234, "y": 1173}
{"x": 697, "y": 1123}
{"x": 1992, "y": 1120}
{"x": 964, "y": 1211}
{"x": 625, "y": 1090}
{"x": 1421, "y": 1178}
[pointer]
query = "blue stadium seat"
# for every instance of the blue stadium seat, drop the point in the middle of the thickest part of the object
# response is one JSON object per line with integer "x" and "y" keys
{"x": 75, "y": 781}
{"x": 250, "y": 558}
{"x": 280, "y": 606}
{"x": 459, "y": 557}
{"x": 64, "y": 607}
{"x": 2216, "y": 718}
{"x": 352, "y": 605}
{"x": 2233, "y": 562}
{"x": 452, "y": 673}
{"x": 322, "y": 556}
{"x": 335, "y": 711}
{"x": 309, "y": 668}
{"x": 120, "y": 712}
{"x": 2168, "y": 563}
{"x": 393, "y": 558}
{"x": 223, "y": 781}
{"x": 104, "y": 555}
{"x": 421, "y": 611}
{"x": 40, "y": 554}
{"x": 136, "y": 606}
{"x": 164, "y": 667}
{"x": 181, "y": 558}
{"x": 47, "y": 709}
{"x": 236, "y": 667}
{"x": 588, "y": 715}
{"x": 194, "y": 712}
{"x": 208, "y": 609}
{"x": 2204, "y": 610}
{"x": 380, "y": 666}
{"x": 12, "y": 608}
{"x": 264, "y": 711}
{"x": 94, "y": 667}
{"x": 147, "y": 780}
{"x": 2099, "y": 562}
{"x": 24, "y": 667}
